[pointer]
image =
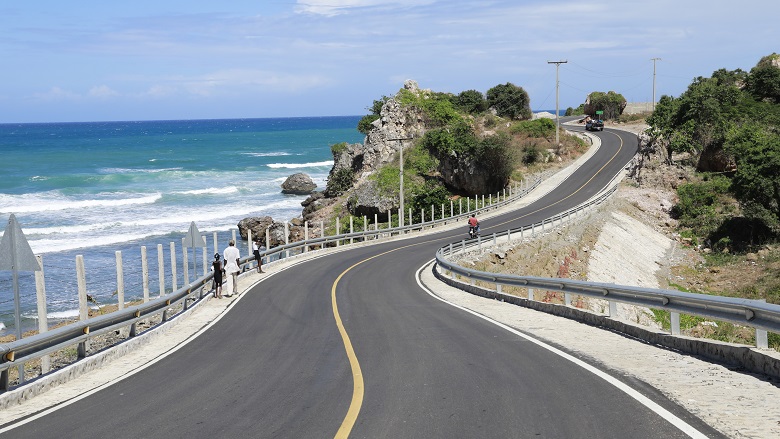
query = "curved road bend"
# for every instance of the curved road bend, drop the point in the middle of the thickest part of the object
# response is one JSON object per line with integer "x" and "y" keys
{"x": 275, "y": 365}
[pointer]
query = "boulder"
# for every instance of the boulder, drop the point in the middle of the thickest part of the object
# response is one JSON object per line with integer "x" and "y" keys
{"x": 257, "y": 224}
{"x": 298, "y": 184}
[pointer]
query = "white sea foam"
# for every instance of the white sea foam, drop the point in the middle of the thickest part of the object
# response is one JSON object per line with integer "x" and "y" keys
{"x": 111, "y": 171}
{"x": 54, "y": 201}
{"x": 266, "y": 154}
{"x": 300, "y": 165}
{"x": 211, "y": 190}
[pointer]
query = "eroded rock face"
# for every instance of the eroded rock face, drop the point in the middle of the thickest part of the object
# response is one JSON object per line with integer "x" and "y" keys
{"x": 298, "y": 184}
{"x": 715, "y": 159}
{"x": 257, "y": 224}
{"x": 367, "y": 200}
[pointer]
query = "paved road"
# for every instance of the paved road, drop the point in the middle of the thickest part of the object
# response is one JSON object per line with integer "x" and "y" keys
{"x": 414, "y": 366}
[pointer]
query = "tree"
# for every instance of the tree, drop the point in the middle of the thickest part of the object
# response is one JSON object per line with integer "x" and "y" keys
{"x": 471, "y": 101}
{"x": 509, "y": 101}
{"x": 756, "y": 183}
{"x": 764, "y": 80}
{"x": 611, "y": 103}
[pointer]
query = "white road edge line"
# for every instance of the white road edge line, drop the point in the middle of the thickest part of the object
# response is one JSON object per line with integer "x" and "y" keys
{"x": 660, "y": 411}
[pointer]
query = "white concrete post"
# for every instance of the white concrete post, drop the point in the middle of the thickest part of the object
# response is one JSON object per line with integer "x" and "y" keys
{"x": 410, "y": 216}
{"x": 530, "y": 294}
{"x": 185, "y": 262}
{"x": 468, "y": 204}
{"x": 145, "y": 273}
{"x": 567, "y": 299}
{"x": 351, "y": 228}
{"x": 442, "y": 210}
{"x": 675, "y": 323}
{"x": 338, "y": 231}
{"x": 433, "y": 214}
{"x": 286, "y": 238}
{"x": 483, "y": 201}
{"x": 216, "y": 244}
{"x": 612, "y": 309}
{"x": 490, "y": 199}
{"x": 161, "y": 269}
{"x": 305, "y": 235}
{"x": 233, "y": 235}
{"x": 422, "y": 216}
{"x": 174, "y": 277}
{"x": 204, "y": 252}
{"x": 452, "y": 208}
{"x": 498, "y": 288}
{"x": 365, "y": 224}
{"x": 43, "y": 321}
{"x": 248, "y": 245}
{"x": 389, "y": 220}
{"x": 81, "y": 281}
{"x": 376, "y": 222}
{"x": 267, "y": 239}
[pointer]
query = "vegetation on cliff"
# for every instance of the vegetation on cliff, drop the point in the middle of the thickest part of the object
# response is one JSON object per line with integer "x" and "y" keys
{"x": 728, "y": 125}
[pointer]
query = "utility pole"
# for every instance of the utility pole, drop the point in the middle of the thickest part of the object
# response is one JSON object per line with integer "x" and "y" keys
{"x": 401, "y": 175}
{"x": 654, "y": 60}
{"x": 557, "y": 111}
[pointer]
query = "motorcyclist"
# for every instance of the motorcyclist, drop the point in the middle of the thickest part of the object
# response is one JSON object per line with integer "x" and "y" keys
{"x": 473, "y": 225}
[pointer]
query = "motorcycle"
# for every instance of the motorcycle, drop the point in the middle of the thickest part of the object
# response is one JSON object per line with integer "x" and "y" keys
{"x": 473, "y": 231}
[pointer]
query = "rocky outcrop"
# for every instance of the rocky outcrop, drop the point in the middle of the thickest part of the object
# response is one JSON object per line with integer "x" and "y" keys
{"x": 382, "y": 142}
{"x": 715, "y": 159}
{"x": 258, "y": 226}
{"x": 298, "y": 184}
{"x": 368, "y": 200}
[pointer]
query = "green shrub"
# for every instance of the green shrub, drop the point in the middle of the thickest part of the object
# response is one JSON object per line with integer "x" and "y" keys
{"x": 530, "y": 153}
{"x": 338, "y": 148}
{"x": 696, "y": 208}
{"x": 419, "y": 160}
{"x": 542, "y": 128}
{"x": 340, "y": 181}
{"x": 510, "y": 101}
{"x": 364, "y": 125}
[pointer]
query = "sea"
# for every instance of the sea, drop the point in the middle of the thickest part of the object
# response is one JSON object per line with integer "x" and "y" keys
{"x": 94, "y": 188}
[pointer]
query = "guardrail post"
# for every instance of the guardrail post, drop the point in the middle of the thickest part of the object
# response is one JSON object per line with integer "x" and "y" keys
{"x": 479, "y": 243}
{"x": 161, "y": 269}
{"x": 376, "y": 223}
{"x": 389, "y": 222}
{"x": 509, "y": 235}
{"x": 483, "y": 201}
{"x": 305, "y": 235}
{"x": 81, "y": 281}
{"x": 490, "y": 199}
{"x": 338, "y": 230}
{"x": 450, "y": 253}
{"x": 762, "y": 338}
{"x": 472, "y": 281}
{"x": 542, "y": 227}
{"x": 205, "y": 258}
{"x": 462, "y": 246}
{"x": 174, "y": 277}
{"x": 494, "y": 238}
{"x": 612, "y": 309}
{"x": 233, "y": 235}
{"x": 145, "y": 273}
{"x": 43, "y": 322}
{"x": 460, "y": 206}
{"x": 567, "y": 299}
{"x": 531, "y": 294}
{"x": 267, "y": 239}
{"x": 365, "y": 226}
{"x": 433, "y": 214}
{"x": 410, "y": 216}
{"x": 533, "y": 230}
{"x": 468, "y": 204}
{"x": 185, "y": 263}
{"x": 351, "y": 229}
{"x": 498, "y": 288}
{"x": 216, "y": 246}
{"x": 675, "y": 323}
{"x": 452, "y": 208}
{"x": 286, "y": 238}
{"x": 422, "y": 217}
{"x": 120, "y": 284}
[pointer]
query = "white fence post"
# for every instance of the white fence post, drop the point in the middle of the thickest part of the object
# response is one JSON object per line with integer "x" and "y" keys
{"x": 81, "y": 281}
{"x": 675, "y": 323}
{"x": 161, "y": 269}
{"x": 531, "y": 294}
{"x": 174, "y": 277}
{"x": 338, "y": 231}
{"x": 145, "y": 273}
{"x": 305, "y": 235}
{"x": 351, "y": 229}
{"x": 43, "y": 322}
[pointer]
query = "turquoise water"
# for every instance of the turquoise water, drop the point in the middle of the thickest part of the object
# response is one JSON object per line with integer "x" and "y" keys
{"x": 94, "y": 188}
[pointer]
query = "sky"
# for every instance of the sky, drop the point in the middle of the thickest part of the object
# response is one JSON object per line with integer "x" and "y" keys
{"x": 174, "y": 59}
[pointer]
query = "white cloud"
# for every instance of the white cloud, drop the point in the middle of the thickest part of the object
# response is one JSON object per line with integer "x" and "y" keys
{"x": 336, "y": 7}
{"x": 102, "y": 91}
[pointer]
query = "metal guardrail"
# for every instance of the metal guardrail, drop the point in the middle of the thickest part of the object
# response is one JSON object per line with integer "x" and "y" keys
{"x": 30, "y": 348}
{"x": 754, "y": 313}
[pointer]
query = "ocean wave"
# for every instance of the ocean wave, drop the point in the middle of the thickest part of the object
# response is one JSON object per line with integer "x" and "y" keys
{"x": 29, "y": 203}
{"x": 300, "y": 165}
{"x": 211, "y": 190}
{"x": 136, "y": 170}
{"x": 266, "y": 154}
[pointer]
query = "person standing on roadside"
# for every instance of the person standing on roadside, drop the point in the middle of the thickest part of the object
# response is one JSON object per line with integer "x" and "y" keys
{"x": 256, "y": 253}
{"x": 216, "y": 267}
{"x": 232, "y": 257}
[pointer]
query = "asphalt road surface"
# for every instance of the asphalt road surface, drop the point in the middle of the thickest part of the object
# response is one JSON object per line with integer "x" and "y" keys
{"x": 348, "y": 345}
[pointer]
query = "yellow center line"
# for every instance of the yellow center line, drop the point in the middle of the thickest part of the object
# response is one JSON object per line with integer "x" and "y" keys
{"x": 358, "y": 385}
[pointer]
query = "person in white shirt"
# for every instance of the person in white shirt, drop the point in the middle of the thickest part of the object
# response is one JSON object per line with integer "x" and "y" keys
{"x": 232, "y": 256}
